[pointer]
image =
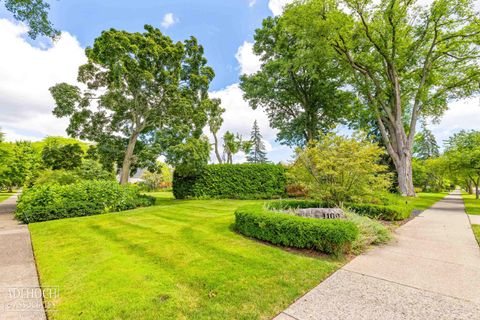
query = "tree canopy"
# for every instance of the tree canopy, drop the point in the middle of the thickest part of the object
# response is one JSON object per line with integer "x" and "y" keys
{"x": 35, "y": 14}
{"x": 300, "y": 89}
{"x": 144, "y": 95}
{"x": 406, "y": 61}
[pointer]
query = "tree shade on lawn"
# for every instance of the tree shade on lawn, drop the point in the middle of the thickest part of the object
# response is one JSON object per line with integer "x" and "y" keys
{"x": 177, "y": 260}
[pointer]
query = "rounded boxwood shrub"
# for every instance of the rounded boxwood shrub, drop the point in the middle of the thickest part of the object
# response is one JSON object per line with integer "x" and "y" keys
{"x": 53, "y": 201}
{"x": 232, "y": 181}
{"x": 266, "y": 222}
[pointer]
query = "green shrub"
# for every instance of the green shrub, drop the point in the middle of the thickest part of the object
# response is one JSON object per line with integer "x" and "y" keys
{"x": 234, "y": 181}
{"x": 53, "y": 201}
{"x": 371, "y": 232}
{"x": 61, "y": 177}
{"x": 376, "y": 211}
{"x": 329, "y": 236}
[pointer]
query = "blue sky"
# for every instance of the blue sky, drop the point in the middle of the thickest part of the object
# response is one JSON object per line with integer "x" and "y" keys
{"x": 221, "y": 26}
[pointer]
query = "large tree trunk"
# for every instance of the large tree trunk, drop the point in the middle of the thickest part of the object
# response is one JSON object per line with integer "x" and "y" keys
{"x": 217, "y": 154}
{"x": 127, "y": 160}
{"x": 399, "y": 147}
{"x": 405, "y": 176}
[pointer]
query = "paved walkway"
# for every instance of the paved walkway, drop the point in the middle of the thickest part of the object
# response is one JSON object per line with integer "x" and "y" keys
{"x": 19, "y": 294}
{"x": 431, "y": 271}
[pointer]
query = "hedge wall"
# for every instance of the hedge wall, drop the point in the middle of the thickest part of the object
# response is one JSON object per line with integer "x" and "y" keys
{"x": 233, "y": 181}
{"x": 49, "y": 202}
{"x": 330, "y": 236}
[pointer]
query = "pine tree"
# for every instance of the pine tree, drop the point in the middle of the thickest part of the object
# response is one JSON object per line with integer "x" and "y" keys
{"x": 425, "y": 146}
{"x": 257, "y": 153}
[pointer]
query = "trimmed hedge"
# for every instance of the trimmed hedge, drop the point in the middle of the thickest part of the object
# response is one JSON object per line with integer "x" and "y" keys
{"x": 375, "y": 211}
{"x": 329, "y": 236}
{"x": 53, "y": 201}
{"x": 232, "y": 181}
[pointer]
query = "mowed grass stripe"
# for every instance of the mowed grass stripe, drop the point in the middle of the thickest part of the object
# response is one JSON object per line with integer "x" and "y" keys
{"x": 177, "y": 260}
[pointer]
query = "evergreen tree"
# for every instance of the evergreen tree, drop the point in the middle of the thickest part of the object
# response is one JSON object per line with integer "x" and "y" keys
{"x": 257, "y": 153}
{"x": 425, "y": 146}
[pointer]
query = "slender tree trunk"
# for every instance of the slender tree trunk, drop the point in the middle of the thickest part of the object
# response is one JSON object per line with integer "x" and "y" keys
{"x": 217, "y": 154}
{"x": 476, "y": 187}
{"x": 469, "y": 187}
{"x": 127, "y": 160}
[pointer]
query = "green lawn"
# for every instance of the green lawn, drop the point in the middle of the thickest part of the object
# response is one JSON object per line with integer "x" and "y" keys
{"x": 476, "y": 232}
{"x": 177, "y": 260}
{"x": 5, "y": 195}
{"x": 424, "y": 200}
{"x": 472, "y": 205}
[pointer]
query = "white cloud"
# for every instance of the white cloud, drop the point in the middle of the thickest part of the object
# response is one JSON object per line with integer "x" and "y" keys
{"x": 462, "y": 114}
{"x": 169, "y": 20}
{"x": 27, "y": 72}
{"x": 249, "y": 62}
{"x": 251, "y": 3}
{"x": 277, "y": 6}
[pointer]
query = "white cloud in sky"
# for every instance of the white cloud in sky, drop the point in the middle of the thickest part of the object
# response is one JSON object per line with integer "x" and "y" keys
{"x": 462, "y": 114}
{"x": 251, "y": 3}
{"x": 27, "y": 73}
{"x": 169, "y": 20}
{"x": 239, "y": 117}
{"x": 248, "y": 61}
{"x": 277, "y": 6}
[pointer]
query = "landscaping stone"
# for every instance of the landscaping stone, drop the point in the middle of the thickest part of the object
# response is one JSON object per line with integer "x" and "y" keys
{"x": 322, "y": 213}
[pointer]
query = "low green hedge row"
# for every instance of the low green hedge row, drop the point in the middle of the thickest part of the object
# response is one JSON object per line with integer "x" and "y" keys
{"x": 376, "y": 211}
{"x": 232, "y": 181}
{"x": 328, "y": 236}
{"x": 49, "y": 202}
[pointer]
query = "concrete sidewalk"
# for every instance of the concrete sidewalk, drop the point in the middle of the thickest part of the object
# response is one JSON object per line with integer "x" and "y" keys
{"x": 20, "y": 296}
{"x": 431, "y": 271}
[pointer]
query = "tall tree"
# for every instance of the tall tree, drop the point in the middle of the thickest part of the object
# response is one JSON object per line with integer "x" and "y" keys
{"x": 425, "y": 146}
{"x": 232, "y": 144}
{"x": 35, "y": 14}
{"x": 148, "y": 90}
{"x": 215, "y": 120}
{"x": 407, "y": 61}
{"x": 257, "y": 153}
{"x": 300, "y": 89}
